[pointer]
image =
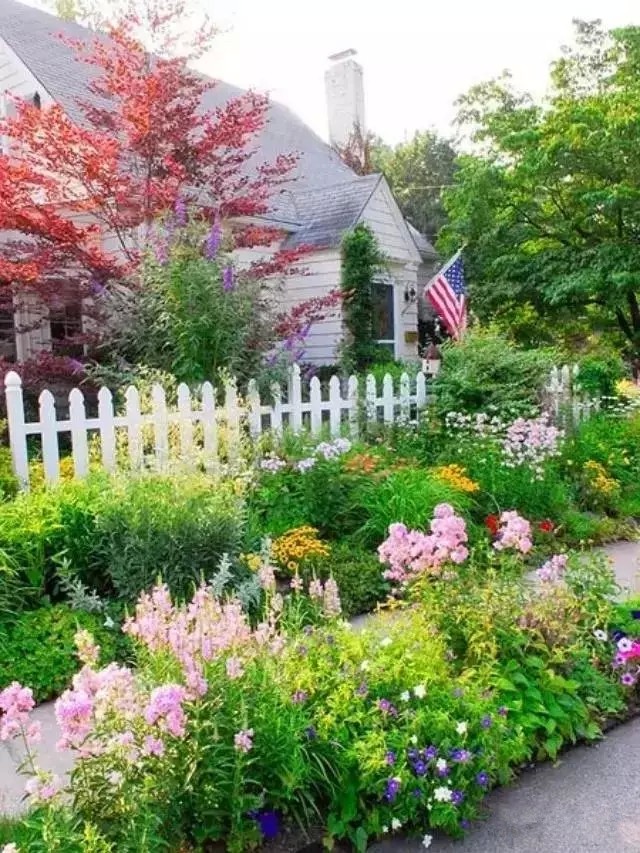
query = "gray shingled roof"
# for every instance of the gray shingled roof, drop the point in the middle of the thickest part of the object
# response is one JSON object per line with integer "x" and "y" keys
{"x": 325, "y": 197}
{"x": 330, "y": 211}
{"x": 422, "y": 244}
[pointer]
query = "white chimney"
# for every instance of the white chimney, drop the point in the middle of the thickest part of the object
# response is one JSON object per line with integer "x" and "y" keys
{"x": 345, "y": 97}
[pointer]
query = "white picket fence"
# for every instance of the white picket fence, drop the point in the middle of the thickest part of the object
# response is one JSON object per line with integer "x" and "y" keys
{"x": 207, "y": 430}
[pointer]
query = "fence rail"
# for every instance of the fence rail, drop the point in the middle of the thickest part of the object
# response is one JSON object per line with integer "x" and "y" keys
{"x": 207, "y": 428}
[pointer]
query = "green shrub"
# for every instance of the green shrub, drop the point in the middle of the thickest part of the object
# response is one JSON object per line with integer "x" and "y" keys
{"x": 174, "y": 527}
{"x": 38, "y": 649}
{"x": 118, "y": 534}
{"x": 486, "y": 372}
{"x": 359, "y": 578}
{"x": 8, "y": 480}
{"x": 408, "y": 495}
{"x": 598, "y": 374}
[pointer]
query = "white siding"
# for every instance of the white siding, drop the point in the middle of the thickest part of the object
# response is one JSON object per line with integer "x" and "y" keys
{"x": 322, "y": 276}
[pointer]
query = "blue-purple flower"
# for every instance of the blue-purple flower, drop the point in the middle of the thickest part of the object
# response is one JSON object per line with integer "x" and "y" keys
{"x": 212, "y": 243}
{"x": 482, "y": 779}
{"x": 390, "y": 757}
{"x": 362, "y": 690}
{"x": 461, "y": 756}
{"x": 457, "y": 797}
{"x": 268, "y": 821}
{"x": 430, "y": 753}
{"x": 486, "y": 722}
{"x": 392, "y": 788}
{"x": 227, "y": 279}
{"x": 299, "y": 697}
{"x": 420, "y": 768}
{"x": 387, "y": 708}
{"x": 311, "y": 732}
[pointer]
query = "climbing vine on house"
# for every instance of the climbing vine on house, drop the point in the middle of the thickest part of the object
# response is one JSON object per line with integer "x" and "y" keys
{"x": 362, "y": 261}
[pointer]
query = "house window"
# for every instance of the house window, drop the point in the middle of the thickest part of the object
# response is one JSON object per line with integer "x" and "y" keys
{"x": 384, "y": 314}
{"x": 65, "y": 323}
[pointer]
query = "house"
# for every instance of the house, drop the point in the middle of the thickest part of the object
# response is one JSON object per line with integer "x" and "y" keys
{"x": 323, "y": 200}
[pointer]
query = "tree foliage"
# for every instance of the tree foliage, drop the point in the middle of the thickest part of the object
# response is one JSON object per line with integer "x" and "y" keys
{"x": 142, "y": 142}
{"x": 362, "y": 262}
{"x": 418, "y": 171}
{"x": 549, "y": 203}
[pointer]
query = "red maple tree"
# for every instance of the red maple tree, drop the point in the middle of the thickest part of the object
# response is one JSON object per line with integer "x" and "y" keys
{"x": 142, "y": 142}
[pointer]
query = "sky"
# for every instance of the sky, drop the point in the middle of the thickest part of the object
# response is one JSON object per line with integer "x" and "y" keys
{"x": 417, "y": 56}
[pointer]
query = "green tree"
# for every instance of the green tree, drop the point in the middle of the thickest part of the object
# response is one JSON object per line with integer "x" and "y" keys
{"x": 549, "y": 205}
{"x": 362, "y": 262}
{"x": 417, "y": 172}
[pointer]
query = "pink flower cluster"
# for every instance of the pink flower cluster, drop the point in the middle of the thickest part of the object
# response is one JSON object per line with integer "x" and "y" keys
{"x": 16, "y": 703}
{"x": 43, "y": 787}
{"x": 627, "y": 658}
{"x": 553, "y": 570}
{"x": 514, "y": 532}
{"x": 410, "y": 553}
{"x": 531, "y": 442}
{"x": 202, "y": 631}
{"x": 243, "y": 740}
{"x": 165, "y": 709}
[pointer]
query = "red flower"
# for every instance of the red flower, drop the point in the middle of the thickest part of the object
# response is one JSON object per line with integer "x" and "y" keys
{"x": 492, "y": 523}
{"x": 546, "y": 526}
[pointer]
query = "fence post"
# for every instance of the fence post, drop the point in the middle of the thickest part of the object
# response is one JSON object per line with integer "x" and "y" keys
{"x": 276, "y": 408}
{"x": 255, "y": 415}
{"x": 134, "y": 427}
{"x": 371, "y": 399}
{"x": 79, "y": 443}
{"x": 405, "y": 397}
{"x": 16, "y": 423}
{"x": 232, "y": 417}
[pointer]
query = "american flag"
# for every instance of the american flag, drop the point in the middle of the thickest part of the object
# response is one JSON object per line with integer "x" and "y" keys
{"x": 447, "y": 293}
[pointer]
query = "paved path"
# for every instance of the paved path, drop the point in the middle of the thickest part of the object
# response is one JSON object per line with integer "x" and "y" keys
{"x": 589, "y": 802}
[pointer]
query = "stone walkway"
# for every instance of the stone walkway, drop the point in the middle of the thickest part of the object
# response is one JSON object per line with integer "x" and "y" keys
{"x": 587, "y": 802}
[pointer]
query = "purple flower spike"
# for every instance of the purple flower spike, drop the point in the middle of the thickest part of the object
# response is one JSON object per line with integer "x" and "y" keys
{"x": 212, "y": 243}
{"x": 227, "y": 279}
{"x": 180, "y": 211}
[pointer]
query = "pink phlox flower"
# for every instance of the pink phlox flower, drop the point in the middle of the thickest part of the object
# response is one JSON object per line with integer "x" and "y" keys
{"x": 553, "y": 570}
{"x": 165, "y": 709}
{"x": 243, "y": 740}
{"x": 16, "y": 703}
{"x": 514, "y": 532}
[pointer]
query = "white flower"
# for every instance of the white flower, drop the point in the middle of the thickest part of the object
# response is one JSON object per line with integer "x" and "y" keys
{"x": 115, "y": 778}
{"x": 426, "y": 841}
{"x": 413, "y": 740}
{"x": 9, "y": 848}
{"x": 405, "y": 696}
{"x": 442, "y": 795}
{"x": 420, "y": 691}
{"x": 601, "y": 635}
{"x": 385, "y": 829}
{"x": 429, "y": 805}
{"x": 364, "y": 666}
{"x": 461, "y": 728}
{"x": 396, "y": 824}
{"x": 624, "y": 644}
{"x": 441, "y": 764}
{"x": 386, "y": 641}
{"x": 109, "y": 623}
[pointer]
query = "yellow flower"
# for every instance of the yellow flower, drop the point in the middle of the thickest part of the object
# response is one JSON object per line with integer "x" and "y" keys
{"x": 456, "y": 476}
{"x": 297, "y": 545}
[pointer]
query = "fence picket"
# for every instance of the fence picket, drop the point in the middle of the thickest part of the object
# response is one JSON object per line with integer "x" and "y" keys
{"x": 295, "y": 399}
{"x": 315, "y": 403}
{"x": 79, "y": 443}
{"x": 421, "y": 392}
{"x": 16, "y": 422}
{"x": 255, "y": 407}
{"x": 276, "y": 408}
{"x": 185, "y": 415}
{"x": 160, "y": 426}
{"x": 134, "y": 427}
{"x": 371, "y": 397}
{"x": 210, "y": 428}
{"x": 107, "y": 429}
{"x": 387, "y": 399}
{"x": 49, "y": 432}
{"x": 405, "y": 397}
{"x": 352, "y": 396}
{"x": 335, "y": 406}
{"x": 232, "y": 417}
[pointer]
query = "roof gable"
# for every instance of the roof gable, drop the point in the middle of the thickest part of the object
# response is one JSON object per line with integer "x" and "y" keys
{"x": 384, "y": 217}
